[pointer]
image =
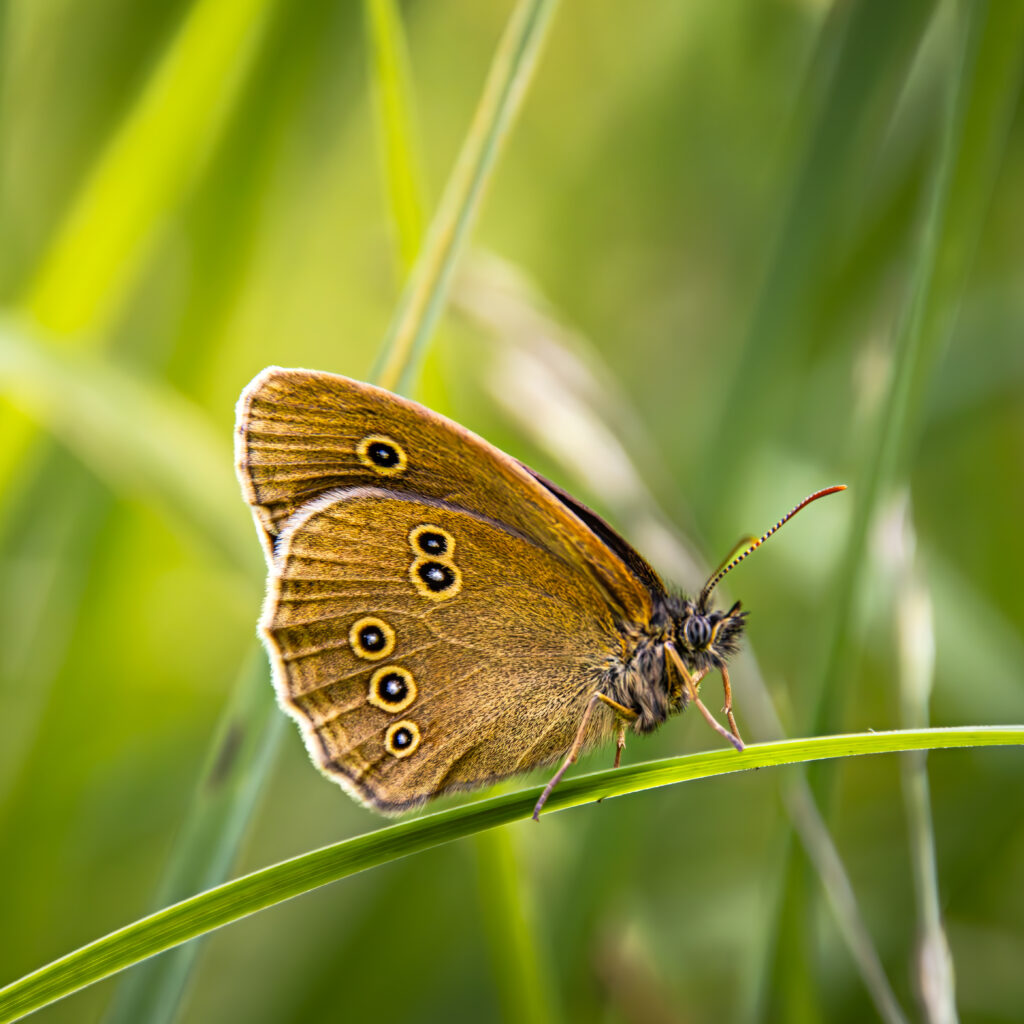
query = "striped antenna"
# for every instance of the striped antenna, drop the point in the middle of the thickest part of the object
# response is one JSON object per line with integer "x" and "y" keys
{"x": 734, "y": 559}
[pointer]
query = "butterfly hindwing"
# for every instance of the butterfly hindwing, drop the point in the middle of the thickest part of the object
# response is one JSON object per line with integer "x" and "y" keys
{"x": 424, "y": 647}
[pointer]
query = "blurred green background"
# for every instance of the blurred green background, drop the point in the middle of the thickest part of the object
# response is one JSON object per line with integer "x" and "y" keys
{"x": 717, "y": 234}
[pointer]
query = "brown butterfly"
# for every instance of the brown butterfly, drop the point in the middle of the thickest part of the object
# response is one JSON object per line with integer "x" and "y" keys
{"x": 440, "y": 616}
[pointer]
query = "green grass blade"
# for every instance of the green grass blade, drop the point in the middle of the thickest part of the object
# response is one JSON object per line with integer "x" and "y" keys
{"x": 982, "y": 97}
{"x": 865, "y": 53}
{"x": 424, "y": 296}
{"x": 395, "y": 120}
{"x": 119, "y": 425}
{"x": 264, "y": 888}
{"x": 147, "y": 165}
{"x": 239, "y": 761}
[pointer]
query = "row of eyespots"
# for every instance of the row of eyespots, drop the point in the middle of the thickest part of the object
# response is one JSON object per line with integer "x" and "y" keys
{"x": 433, "y": 571}
{"x": 392, "y": 687}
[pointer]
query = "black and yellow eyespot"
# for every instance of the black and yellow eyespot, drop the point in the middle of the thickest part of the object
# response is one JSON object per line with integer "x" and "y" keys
{"x": 392, "y": 688}
{"x": 432, "y": 541}
{"x": 383, "y": 454}
{"x": 371, "y": 638}
{"x": 402, "y": 738}
{"x": 435, "y": 579}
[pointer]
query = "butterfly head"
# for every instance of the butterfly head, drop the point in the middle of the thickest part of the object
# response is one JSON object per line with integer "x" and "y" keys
{"x": 708, "y": 636}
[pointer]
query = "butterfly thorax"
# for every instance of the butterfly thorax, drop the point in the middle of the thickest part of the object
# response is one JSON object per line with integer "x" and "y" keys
{"x": 644, "y": 679}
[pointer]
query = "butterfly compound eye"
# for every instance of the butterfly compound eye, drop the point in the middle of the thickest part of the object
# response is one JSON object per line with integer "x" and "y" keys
{"x": 697, "y": 631}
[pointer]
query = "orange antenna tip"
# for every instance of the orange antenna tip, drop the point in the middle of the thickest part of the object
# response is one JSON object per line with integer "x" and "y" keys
{"x": 732, "y": 562}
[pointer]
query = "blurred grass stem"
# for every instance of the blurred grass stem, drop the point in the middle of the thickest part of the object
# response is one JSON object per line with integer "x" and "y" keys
{"x": 425, "y": 293}
{"x": 987, "y": 63}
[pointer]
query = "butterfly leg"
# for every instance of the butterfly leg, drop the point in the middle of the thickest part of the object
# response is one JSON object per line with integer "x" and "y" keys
{"x": 728, "y": 705}
{"x": 577, "y": 743}
{"x": 691, "y": 690}
{"x": 620, "y": 742}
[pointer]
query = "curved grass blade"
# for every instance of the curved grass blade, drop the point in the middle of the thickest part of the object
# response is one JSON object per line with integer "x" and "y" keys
{"x": 531, "y": 381}
{"x": 250, "y": 893}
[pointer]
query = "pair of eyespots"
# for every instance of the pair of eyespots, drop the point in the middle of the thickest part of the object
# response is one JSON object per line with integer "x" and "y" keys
{"x": 393, "y": 689}
{"x": 433, "y": 571}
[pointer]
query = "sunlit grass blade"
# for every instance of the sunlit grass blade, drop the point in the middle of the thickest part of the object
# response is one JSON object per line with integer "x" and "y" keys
{"x": 426, "y": 291}
{"x": 395, "y": 123}
{"x": 147, "y": 164}
{"x": 141, "y": 438}
{"x": 261, "y": 889}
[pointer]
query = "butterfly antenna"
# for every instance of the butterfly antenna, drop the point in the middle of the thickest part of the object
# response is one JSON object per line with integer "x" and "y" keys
{"x": 750, "y": 544}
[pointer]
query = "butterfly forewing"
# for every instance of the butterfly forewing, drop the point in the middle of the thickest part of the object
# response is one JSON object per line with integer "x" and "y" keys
{"x": 424, "y": 647}
{"x": 301, "y": 433}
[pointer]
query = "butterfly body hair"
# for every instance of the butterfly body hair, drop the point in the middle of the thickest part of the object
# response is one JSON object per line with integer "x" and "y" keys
{"x": 646, "y": 681}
